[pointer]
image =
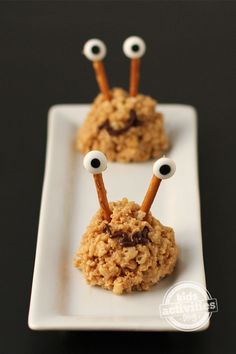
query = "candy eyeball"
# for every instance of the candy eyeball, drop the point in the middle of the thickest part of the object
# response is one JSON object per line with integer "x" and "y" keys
{"x": 134, "y": 47}
{"x": 164, "y": 168}
{"x": 95, "y": 49}
{"x": 95, "y": 162}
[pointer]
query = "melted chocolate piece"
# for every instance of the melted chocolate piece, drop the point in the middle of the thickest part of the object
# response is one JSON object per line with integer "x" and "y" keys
{"x": 125, "y": 240}
{"x": 126, "y": 243}
{"x": 108, "y": 230}
{"x": 139, "y": 237}
{"x": 121, "y": 234}
{"x": 145, "y": 232}
{"x": 133, "y": 121}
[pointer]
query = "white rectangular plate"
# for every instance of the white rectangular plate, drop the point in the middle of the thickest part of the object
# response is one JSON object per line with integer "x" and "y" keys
{"x": 61, "y": 299}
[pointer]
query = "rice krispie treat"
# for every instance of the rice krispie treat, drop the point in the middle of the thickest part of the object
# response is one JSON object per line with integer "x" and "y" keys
{"x": 129, "y": 253}
{"x": 123, "y": 125}
{"x": 124, "y": 247}
{"x": 125, "y": 128}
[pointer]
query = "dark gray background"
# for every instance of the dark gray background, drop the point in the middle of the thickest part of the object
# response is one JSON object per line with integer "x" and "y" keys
{"x": 190, "y": 59}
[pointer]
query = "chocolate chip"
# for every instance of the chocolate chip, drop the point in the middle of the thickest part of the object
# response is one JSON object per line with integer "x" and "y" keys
{"x": 139, "y": 237}
{"x": 132, "y": 121}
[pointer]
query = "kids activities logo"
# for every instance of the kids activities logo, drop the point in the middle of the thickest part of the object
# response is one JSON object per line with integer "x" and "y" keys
{"x": 188, "y": 306}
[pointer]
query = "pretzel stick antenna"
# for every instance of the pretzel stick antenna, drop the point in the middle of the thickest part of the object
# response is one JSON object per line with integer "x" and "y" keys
{"x": 102, "y": 196}
{"x": 150, "y": 195}
{"x": 134, "y": 76}
{"x": 163, "y": 168}
{"x": 95, "y": 50}
{"x": 95, "y": 162}
{"x": 134, "y": 48}
{"x": 102, "y": 78}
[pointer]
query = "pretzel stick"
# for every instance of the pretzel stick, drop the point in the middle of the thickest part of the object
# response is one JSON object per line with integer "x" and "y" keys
{"x": 102, "y": 78}
{"x": 102, "y": 196}
{"x": 150, "y": 195}
{"x": 134, "y": 77}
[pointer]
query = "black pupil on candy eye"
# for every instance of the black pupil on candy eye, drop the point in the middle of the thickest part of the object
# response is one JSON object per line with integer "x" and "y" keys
{"x": 95, "y": 163}
{"x": 135, "y": 48}
{"x": 165, "y": 169}
{"x": 95, "y": 49}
